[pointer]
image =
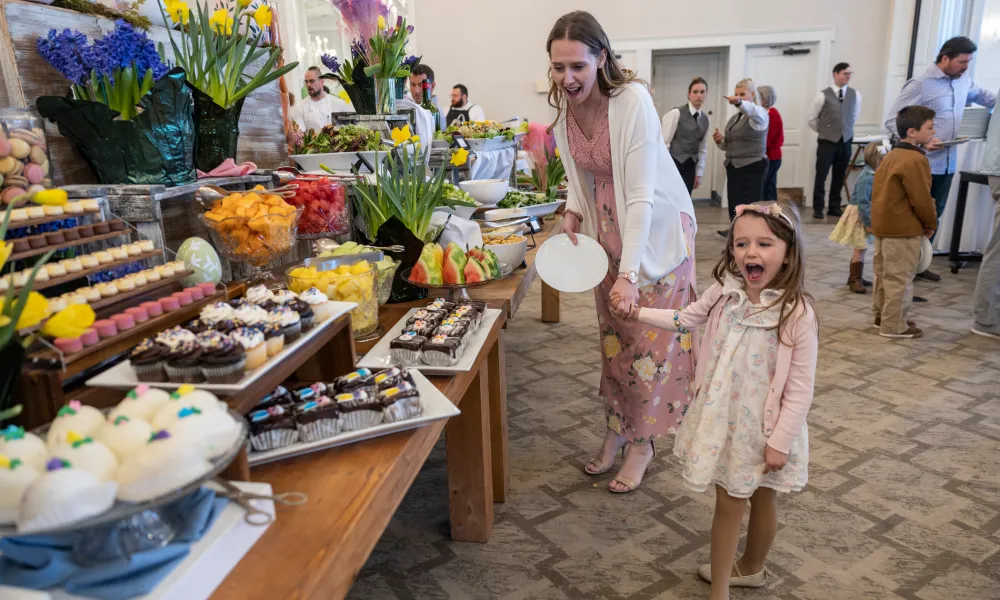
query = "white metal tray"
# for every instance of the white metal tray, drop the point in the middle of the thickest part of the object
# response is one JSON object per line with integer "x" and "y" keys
{"x": 378, "y": 357}
{"x": 122, "y": 377}
{"x": 435, "y": 404}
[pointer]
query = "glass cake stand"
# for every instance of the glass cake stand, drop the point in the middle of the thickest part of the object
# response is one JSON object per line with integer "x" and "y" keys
{"x": 128, "y": 528}
{"x": 459, "y": 291}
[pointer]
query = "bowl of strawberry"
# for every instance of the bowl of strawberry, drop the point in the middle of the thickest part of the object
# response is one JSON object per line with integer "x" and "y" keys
{"x": 325, "y": 211}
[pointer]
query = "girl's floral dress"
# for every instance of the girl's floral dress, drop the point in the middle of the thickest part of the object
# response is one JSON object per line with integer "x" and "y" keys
{"x": 722, "y": 439}
{"x": 646, "y": 374}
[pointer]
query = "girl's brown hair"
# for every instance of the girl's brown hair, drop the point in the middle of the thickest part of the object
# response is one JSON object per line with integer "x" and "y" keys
{"x": 873, "y": 154}
{"x": 581, "y": 26}
{"x": 791, "y": 278}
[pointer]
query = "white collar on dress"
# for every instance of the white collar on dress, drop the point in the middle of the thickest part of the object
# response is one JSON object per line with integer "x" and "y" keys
{"x": 733, "y": 286}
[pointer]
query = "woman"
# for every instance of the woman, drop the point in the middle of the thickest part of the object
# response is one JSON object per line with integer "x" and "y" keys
{"x": 775, "y": 139}
{"x": 745, "y": 145}
{"x": 625, "y": 191}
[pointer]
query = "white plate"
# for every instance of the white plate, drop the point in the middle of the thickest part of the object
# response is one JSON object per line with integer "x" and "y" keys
{"x": 926, "y": 255}
{"x": 541, "y": 210}
{"x": 122, "y": 377}
{"x": 502, "y": 214}
{"x": 378, "y": 357}
{"x": 571, "y": 269}
{"x": 435, "y": 404}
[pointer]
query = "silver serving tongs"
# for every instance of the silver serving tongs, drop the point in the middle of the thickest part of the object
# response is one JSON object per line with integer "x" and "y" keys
{"x": 255, "y": 516}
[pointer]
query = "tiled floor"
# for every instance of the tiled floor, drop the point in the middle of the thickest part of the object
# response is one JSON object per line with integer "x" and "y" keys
{"x": 903, "y": 499}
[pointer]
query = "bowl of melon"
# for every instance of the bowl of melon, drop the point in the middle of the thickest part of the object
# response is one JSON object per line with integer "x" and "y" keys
{"x": 455, "y": 269}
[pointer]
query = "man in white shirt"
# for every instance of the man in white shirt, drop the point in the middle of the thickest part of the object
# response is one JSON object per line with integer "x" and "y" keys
{"x": 314, "y": 112}
{"x": 685, "y": 130}
{"x": 418, "y": 76}
{"x": 834, "y": 113}
{"x": 461, "y": 111}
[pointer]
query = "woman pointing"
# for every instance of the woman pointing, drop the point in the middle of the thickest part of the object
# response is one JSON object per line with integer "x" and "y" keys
{"x": 625, "y": 191}
{"x": 745, "y": 145}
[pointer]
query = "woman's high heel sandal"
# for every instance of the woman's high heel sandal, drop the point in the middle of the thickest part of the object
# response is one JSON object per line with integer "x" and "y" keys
{"x": 630, "y": 485}
{"x": 602, "y": 468}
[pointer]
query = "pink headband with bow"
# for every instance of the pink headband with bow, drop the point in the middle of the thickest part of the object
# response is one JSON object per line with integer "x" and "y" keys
{"x": 773, "y": 210}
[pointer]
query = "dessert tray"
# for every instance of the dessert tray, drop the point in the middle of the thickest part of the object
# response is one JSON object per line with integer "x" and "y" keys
{"x": 379, "y": 356}
{"x": 435, "y": 405}
{"x": 122, "y": 376}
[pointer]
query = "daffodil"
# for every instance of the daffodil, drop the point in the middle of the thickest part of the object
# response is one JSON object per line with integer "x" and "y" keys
{"x": 557, "y": 152}
{"x": 381, "y": 23}
{"x": 221, "y": 22}
{"x": 70, "y": 322}
{"x": 35, "y": 309}
{"x": 262, "y": 16}
{"x": 459, "y": 157}
{"x": 4, "y": 321}
{"x": 400, "y": 136}
{"x": 343, "y": 95}
{"x": 6, "y": 248}
{"x": 245, "y": 3}
{"x": 55, "y": 197}
{"x": 179, "y": 12}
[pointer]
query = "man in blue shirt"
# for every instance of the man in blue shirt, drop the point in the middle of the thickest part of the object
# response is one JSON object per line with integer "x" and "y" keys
{"x": 945, "y": 88}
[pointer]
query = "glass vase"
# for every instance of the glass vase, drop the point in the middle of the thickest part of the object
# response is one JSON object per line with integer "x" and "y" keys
{"x": 216, "y": 130}
{"x": 385, "y": 95}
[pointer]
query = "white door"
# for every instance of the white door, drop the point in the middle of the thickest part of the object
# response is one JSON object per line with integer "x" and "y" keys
{"x": 794, "y": 79}
{"x": 672, "y": 73}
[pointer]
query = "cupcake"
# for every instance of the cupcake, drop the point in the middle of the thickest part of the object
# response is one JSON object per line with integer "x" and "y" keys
{"x": 61, "y": 496}
{"x": 360, "y": 379}
{"x": 17, "y": 443}
{"x": 15, "y": 479}
{"x": 87, "y": 455}
{"x": 140, "y": 404}
{"x": 73, "y": 265}
{"x": 149, "y": 360}
{"x": 259, "y": 294}
{"x": 125, "y": 285}
{"x": 92, "y": 294}
{"x": 392, "y": 377}
{"x": 82, "y": 419}
{"x": 146, "y": 245}
{"x": 198, "y": 326}
{"x": 223, "y": 360}
{"x": 317, "y": 419}
{"x": 215, "y": 312}
{"x": 165, "y": 464}
{"x": 279, "y": 397}
{"x": 283, "y": 297}
{"x": 358, "y": 410}
{"x": 251, "y": 315}
{"x": 289, "y": 321}
{"x": 272, "y": 428}
{"x": 213, "y": 432}
{"x": 184, "y": 363}
{"x": 89, "y": 261}
{"x": 151, "y": 275}
{"x": 274, "y": 339}
{"x": 400, "y": 403}
{"x": 252, "y": 341}
{"x": 406, "y": 348}
{"x": 174, "y": 337}
{"x": 186, "y": 396}
{"x": 55, "y": 269}
{"x": 306, "y": 314}
{"x": 320, "y": 304}
{"x": 124, "y": 436}
{"x": 119, "y": 253}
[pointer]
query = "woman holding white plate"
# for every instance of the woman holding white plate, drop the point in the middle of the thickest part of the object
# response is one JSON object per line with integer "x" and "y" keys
{"x": 625, "y": 192}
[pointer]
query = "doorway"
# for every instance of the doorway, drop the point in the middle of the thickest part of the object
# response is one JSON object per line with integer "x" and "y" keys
{"x": 672, "y": 72}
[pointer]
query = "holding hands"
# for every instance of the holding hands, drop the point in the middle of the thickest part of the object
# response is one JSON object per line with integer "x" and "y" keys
{"x": 624, "y": 300}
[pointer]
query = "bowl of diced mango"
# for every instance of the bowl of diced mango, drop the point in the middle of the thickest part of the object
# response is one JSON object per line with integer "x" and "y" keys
{"x": 252, "y": 227}
{"x": 346, "y": 283}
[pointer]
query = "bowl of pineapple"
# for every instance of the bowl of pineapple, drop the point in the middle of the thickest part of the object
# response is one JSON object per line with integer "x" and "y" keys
{"x": 346, "y": 283}
{"x": 386, "y": 267}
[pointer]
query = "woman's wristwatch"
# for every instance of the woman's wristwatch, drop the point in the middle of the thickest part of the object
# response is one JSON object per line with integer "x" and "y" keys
{"x": 632, "y": 277}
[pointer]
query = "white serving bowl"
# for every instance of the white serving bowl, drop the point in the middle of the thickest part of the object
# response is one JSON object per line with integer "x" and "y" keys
{"x": 487, "y": 191}
{"x": 510, "y": 254}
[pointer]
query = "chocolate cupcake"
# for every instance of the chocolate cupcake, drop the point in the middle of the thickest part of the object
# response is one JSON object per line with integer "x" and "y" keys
{"x": 430, "y": 317}
{"x": 148, "y": 360}
{"x": 360, "y": 379}
{"x": 400, "y": 403}
{"x": 272, "y": 428}
{"x": 406, "y": 349}
{"x": 358, "y": 410}
{"x": 289, "y": 321}
{"x": 198, "y": 326}
{"x": 279, "y": 397}
{"x": 442, "y": 351}
{"x": 306, "y": 314}
{"x": 274, "y": 338}
{"x": 223, "y": 360}
{"x": 422, "y": 328}
{"x": 227, "y": 326}
{"x": 317, "y": 419}
{"x": 184, "y": 364}
{"x": 392, "y": 377}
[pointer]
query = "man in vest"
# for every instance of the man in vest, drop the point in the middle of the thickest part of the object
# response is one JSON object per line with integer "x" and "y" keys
{"x": 685, "y": 130}
{"x": 834, "y": 113}
{"x": 461, "y": 110}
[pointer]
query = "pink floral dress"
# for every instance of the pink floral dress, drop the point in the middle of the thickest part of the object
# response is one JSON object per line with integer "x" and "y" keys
{"x": 647, "y": 372}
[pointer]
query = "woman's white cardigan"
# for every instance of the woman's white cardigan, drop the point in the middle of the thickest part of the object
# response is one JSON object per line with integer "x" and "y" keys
{"x": 643, "y": 172}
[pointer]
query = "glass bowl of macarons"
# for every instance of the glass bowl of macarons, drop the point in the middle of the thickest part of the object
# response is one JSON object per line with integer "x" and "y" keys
{"x": 93, "y": 471}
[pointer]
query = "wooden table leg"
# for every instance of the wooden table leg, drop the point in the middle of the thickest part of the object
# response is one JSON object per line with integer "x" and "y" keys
{"x": 550, "y": 304}
{"x": 470, "y": 477}
{"x": 497, "y": 366}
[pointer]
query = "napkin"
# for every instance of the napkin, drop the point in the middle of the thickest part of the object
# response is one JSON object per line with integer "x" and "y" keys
{"x": 229, "y": 168}
{"x": 41, "y": 562}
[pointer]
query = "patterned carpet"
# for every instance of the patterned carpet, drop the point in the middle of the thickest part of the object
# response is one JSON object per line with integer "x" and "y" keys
{"x": 903, "y": 500}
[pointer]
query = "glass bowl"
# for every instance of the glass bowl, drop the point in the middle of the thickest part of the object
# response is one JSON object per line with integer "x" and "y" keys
{"x": 256, "y": 242}
{"x": 354, "y": 283}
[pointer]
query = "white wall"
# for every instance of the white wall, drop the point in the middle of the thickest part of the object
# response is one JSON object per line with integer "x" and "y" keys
{"x": 987, "y": 73}
{"x": 497, "y": 49}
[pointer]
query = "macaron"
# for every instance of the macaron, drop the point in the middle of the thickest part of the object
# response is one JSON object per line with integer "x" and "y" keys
{"x": 207, "y": 288}
{"x": 69, "y": 345}
{"x": 106, "y": 328}
{"x": 183, "y": 297}
{"x": 89, "y": 337}
{"x": 138, "y": 313}
{"x": 196, "y": 293}
{"x": 170, "y": 303}
{"x": 153, "y": 309}
{"x": 123, "y": 321}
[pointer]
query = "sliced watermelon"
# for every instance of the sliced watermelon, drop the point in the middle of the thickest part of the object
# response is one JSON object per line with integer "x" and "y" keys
{"x": 475, "y": 272}
{"x": 492, "y": 264}
{"x": 428, "y": 269}
{"x": 477, "y": 253}
{"x": 454, "y": 264}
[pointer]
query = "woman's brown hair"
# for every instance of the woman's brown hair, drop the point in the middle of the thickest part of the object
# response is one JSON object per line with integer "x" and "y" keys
{"x": 791, "y": 278}
{"x": 581, "y": 26}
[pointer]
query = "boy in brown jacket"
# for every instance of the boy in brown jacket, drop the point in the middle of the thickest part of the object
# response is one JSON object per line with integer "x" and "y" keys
{"x": 903, "y": 212}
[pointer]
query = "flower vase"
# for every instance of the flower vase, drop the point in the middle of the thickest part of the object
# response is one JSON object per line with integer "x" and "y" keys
{"x": 385, "y": 95}
{"x": 216, "y": 130}
{"x": 11, "y": 359}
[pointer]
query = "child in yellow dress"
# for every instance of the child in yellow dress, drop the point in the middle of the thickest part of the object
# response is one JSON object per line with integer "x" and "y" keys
{"x": 855, "y": 225}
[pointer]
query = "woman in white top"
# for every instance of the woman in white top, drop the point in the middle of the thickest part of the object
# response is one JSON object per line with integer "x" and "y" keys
{"x": 745, "y": 145}
{"x": 625, "y": 191}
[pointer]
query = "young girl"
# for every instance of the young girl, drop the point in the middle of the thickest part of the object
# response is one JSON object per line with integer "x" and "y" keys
{"x": 745, "y": 433}
{"x": 853, "y": 229}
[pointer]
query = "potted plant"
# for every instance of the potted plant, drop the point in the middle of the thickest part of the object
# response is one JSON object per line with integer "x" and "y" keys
{"x": 216, "y": 49}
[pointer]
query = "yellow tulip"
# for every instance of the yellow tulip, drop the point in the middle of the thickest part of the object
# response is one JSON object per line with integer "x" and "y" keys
{"x": 381, "y": 23}
{"x": 263, "y": 16}
{"x": 459, "y": 157}
{"x": 4, "y": 321}
{"x": 221, "y": 22}
{"x": 70, "y": 322}
{"x": 55, "y": 197}
{"x": 35, "y": 309}
{"x": 400, "y": 136}
{"x": 6, "y": 248}
{"x": 557, "y": 152}
{"x": 179, "y": 12}
{"x": 343, "y": 95}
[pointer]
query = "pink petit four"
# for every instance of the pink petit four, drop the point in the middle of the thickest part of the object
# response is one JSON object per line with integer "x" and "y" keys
{"x": 183, "y": 297}
{"x": 207, "y": 288}
{"x": 123, "y": 321}
{"x": 89, "y": 337}
{"x": 138, "y": 313}
{"x": 106, "y": 328}
{"x": 170, "y": 303}
{"x": 196, "y": 293}
{"x": 153, "y": 309}
{"x": 69, "y": 345}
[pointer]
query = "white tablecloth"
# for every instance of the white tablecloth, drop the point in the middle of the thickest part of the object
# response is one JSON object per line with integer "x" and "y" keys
{"x": 979, "y": 205}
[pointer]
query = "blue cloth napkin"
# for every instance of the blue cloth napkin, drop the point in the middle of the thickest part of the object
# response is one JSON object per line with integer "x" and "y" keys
{"x": 42, "y": 562}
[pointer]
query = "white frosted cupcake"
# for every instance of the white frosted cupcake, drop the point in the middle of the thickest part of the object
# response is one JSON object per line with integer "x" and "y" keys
{"x": 289, "y": 321}
{"x": 63, "y": 495}
{"x": 186, "y": 396}
{"x": 251, "y": 315}
{"x": 165, "y": 464}
{"x": 87, "y": 455}
{"x": 140, "y": 403}
{"x": 214, "y": 432}
{"x": 124, "y": 436}
{"x": 15, "y": 442}
{"x": 284, "y": 296}
{"x": 82, "y": 419}
{"x": 217, "y": 312}
{"x": 320, "y": 303}
{"x": 259, "y": 294}
{"x": 15, "y": 479}
{"x": 252, "y": 341}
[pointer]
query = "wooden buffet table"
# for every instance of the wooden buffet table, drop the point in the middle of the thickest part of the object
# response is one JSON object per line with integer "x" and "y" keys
{"x": 317, "y": 550}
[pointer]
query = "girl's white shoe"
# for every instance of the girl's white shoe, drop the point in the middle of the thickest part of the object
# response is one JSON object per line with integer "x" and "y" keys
{"x": 757, "y": 580}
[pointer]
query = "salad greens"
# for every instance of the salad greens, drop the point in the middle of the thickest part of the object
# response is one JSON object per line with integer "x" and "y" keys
{"x": 480, "y": 130}
{"x": 517, "y": 199}
{"x": 345, "y": 138}
{"x": 455, "y": 194}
